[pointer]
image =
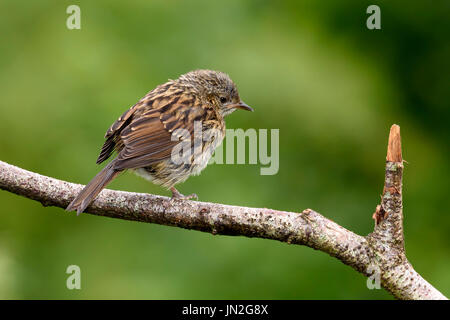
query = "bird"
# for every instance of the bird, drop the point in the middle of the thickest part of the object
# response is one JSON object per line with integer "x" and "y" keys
{"x": 153, "y": 138}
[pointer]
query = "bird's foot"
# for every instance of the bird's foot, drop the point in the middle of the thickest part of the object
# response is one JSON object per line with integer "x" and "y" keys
{"x": 176, "y": 195}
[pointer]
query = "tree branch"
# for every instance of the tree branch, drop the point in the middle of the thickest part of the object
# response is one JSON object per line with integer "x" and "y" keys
{"x": 383, "y": 249}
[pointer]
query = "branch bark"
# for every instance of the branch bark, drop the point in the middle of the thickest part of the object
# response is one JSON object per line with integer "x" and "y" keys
{"x": 380, "y": 254}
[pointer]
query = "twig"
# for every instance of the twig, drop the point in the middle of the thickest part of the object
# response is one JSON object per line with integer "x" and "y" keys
{"x": 384, "y": 248}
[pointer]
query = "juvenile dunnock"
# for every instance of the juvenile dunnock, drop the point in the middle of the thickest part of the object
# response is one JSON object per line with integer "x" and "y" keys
{"x": 146, "y": 134}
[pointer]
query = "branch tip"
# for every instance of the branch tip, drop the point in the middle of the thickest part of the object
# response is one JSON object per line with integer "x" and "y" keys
{"x": 394, "y": 151}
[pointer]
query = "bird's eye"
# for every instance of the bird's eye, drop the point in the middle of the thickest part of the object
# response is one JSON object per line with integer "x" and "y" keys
{"x": 223, "y": 99}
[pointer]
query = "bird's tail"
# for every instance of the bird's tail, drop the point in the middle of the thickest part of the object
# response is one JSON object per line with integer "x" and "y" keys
{"x": 93, "y": 188}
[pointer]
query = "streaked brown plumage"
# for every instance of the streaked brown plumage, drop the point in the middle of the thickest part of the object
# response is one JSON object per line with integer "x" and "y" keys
{"x": 146, "y": 134}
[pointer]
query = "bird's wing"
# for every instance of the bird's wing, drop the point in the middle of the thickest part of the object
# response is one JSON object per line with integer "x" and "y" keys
{"x": 114, "y": 130}
{"x": 148, "y": 137}
{"x": 112, "y": 135}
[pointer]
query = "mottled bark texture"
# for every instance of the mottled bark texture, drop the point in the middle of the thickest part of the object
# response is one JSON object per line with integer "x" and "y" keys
{"x": 381, "y": 251}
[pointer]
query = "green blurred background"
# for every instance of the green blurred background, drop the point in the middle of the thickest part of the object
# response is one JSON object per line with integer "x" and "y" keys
{"x": 310, "y": 68}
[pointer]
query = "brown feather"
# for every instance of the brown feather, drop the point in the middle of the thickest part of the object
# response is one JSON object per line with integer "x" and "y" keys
{"x": 93, "y": 188}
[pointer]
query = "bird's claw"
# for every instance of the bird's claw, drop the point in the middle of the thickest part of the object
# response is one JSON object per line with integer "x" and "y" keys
{"x": 176, "y": 195}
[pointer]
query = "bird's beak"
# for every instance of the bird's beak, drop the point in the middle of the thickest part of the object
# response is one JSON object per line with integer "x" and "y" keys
{"x": 241, "y": 105}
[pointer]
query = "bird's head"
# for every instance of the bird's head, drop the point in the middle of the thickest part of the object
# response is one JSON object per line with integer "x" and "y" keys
{"x": 217, "y": 88}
